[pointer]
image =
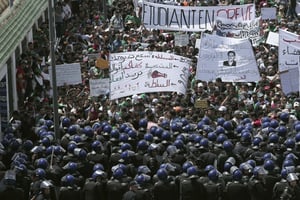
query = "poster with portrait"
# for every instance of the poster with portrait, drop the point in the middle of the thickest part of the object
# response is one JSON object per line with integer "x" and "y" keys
{"x": 230, "y": 59}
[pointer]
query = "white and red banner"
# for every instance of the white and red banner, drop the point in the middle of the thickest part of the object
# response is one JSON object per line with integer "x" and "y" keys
{"x": 147, "y": 71}
{"x": 192, "y": 18}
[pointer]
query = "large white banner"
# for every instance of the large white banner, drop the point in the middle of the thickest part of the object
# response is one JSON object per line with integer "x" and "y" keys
{"x": 227, "y": 58}
{"x": 99, "y": 87}
{"x": 191, "y": 18}
{"x": 240, "y": 29}
{"x": 146, "y": 71}
{"x": 67, "y": 74}
{"x": 288, "y": 50}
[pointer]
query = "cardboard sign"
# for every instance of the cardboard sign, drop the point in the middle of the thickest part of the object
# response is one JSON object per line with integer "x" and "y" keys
{"x": 201, "y": 104}
{"x": 101, "y": 63}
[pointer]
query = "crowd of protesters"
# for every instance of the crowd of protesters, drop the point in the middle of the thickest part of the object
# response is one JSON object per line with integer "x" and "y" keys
{"x": 245, "y": 143}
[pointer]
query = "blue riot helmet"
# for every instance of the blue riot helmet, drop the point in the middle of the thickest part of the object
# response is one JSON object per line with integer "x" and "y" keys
{"x": 142, "y": 179}
{"x": 213, "y": 175}
{"x": 142, "y": 145}
{"x": 227, "y": 145}
{"x": 290, "y": 143}
{"x": 208, "y": 168}
{"x": 143, "y": 123}
{"x": 274, "y": 123}
{"x": 269, "y": 165}
{"x": 65, "y": 122}
{"x": 41, "y": 163}
{"x": 68, "y": 180}
{"x": 220, "y": 121}
{"x": 212, "y": 136}
{"x": 71, "y": 167}
{"x": 237, "y": 175}
{"x": 98, "y": 166}
{"x": 148, "y": 137}
{"x": 282, "y": 130}
{"x": 193, "y": 172}
{"x": 284, "y": 116}
{"x": 123, "y": 137}
{"x": 228, "y": 125}
{"x": 107, "y": 129}
{"x": 162, "y": 174}
{"x": 118, "y": 173}
{"x": 186, "y": 165}
{"x": 88, "y": 131}
{"x": 40, "y": 173}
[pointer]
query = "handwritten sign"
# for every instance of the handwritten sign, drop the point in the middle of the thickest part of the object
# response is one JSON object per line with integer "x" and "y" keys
{"x": 181, "y": 39}
{"x": 240, "y": 29}
{"x": 201, "y": 104}
{"x": 268, "y": 13}
{"x": 101, "y": 63}
{"x": 67, "y": 74}
{"x": 273, "y": 38}
{"x": 288, "y": 50}
{"x": 147, "y": 71}
{"x": 228, "y": 58}
{"x": 191, "y": 18}
{"x": 99, "y": 87}
{"x": 290, "y": 80}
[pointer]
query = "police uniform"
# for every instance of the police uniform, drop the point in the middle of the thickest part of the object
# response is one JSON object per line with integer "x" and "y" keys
{"x": 68, "y": 193}
{"x": 164, "y": 190}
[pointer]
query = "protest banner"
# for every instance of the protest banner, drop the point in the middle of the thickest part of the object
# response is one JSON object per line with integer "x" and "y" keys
{"x": 146, "y": 71}
{"x": 181, "y": 39}
{"x": 102, "y": 63}
{"x": 240, "y": 29}
{"x": 230, "y": 59}
{"x": 191, "y": 18}
{"x": 273, "y": 38}
{"x": 288, "y": 50}
{"x": 268, "y": 13}
{"x": 99, "y": 87}
{"x": 67, "y": 74}
{"x": 289, "y": 80}
{"x": 298, "y": 7}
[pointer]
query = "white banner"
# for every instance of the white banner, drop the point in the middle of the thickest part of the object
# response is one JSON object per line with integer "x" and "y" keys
{"x": 146, "y": 71}
{"x": 288, "y": 50}
{"x": 268, "y": 13}
{"x": 99, "y": 87}
{"x": 273, "y": 38}
{"x": 231, "y": 59}
{"x": 67, "y": 74}
{"x": 240, "y": 29}
{"x": 191, "y": 18}
{"x": 290, "y": 80}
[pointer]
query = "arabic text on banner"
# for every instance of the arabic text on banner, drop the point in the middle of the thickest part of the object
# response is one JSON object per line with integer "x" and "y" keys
{"x": 213, "y": 54}
{"x": 240, "y": 29}
{"x": 191, "y": 18}
{"x": 99, "y": 87}
{"x": 290, "y": 80}
{"x": 288, "y": 50}
{"x": 143, "y": 72}
{"x": 67, "y": 74}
